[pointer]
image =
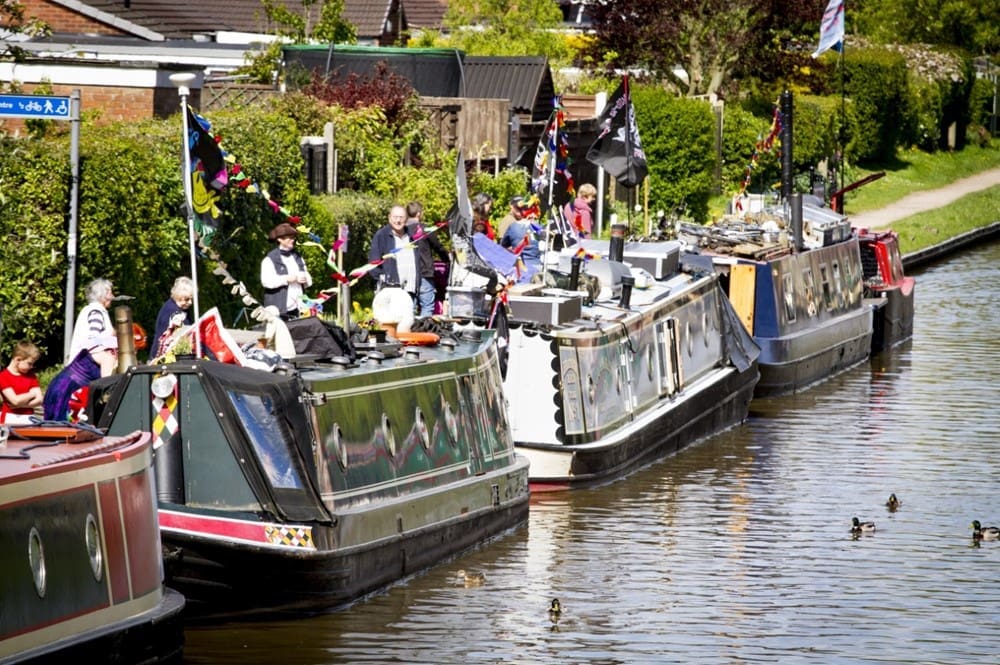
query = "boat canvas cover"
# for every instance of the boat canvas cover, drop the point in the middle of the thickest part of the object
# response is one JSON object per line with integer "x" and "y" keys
{"x": 265, "y": 419}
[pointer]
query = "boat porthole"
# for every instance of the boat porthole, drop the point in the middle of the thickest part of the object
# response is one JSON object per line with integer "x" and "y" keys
{"x": 690, "y": 339}
{"x": 387, "y": 433}
{"x": 36, "y": 560}
{"x": 704, "y": 328}
{"x": 421, "y": 422}
{"x": 92, "y": 537}
{"x": 451, "y": 423}
{"x": 339, "y": 449}
{"x": 591, "y": 390}
{"x": 649, "y": 362}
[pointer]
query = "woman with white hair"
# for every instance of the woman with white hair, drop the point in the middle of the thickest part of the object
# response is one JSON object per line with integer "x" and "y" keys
{"x": 175, "y": 312}
{"x": 93, "y": 324}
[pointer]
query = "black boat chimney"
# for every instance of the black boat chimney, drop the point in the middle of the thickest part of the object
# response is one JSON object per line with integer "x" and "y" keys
{"x": 795, "y": 203}
{"x": 786, "y": 145}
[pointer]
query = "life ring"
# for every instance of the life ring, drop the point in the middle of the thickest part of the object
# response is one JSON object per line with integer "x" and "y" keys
{"x": 139, "y": 335}
{"x": 418, "y": 338}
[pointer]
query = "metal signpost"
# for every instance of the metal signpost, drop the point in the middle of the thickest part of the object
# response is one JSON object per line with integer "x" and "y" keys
{"x": 48, "y": 107}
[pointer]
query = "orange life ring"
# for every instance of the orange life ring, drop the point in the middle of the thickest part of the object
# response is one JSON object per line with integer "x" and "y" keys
{"x": 418, "y": 338}
{"x": 139, "y": 335}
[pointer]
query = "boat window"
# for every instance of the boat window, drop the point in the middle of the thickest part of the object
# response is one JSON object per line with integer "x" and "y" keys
{"x": 895, "y": 260}
{"x": 824, "y": 281}
{"x": 788, "y": 286}
{"x": 265, "y": 433}
{"x": 838, "y": 284}
{"x": 807, "y": 279}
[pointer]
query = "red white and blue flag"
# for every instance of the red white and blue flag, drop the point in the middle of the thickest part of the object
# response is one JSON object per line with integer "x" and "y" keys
{"x": 831, "y": 28}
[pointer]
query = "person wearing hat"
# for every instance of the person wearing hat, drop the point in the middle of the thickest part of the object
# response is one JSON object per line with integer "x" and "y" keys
{"x": 283, "y": 273}
{"x": 517, "y": 208}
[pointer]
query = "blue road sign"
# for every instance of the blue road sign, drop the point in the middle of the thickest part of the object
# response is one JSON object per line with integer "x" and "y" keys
{"x": 41, "y": 107}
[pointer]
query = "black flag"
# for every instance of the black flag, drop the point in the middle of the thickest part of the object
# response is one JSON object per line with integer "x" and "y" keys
{"x": 618, "y": 148}
{"x": 460, "y": 216}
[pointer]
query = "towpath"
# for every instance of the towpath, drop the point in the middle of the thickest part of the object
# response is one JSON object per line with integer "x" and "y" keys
{"x": 927, "y": 200}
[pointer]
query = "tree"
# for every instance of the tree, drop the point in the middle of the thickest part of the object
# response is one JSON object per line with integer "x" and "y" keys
{"x": 973, "y": 25}
{"x": 13, "y": 25}
{"x": 505, "y": 27}
{"x": 297, "y": 27}
{"x": 693, "y": 45}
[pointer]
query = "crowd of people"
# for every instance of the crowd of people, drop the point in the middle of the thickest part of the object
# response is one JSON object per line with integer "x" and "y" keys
{"x": 406, "y": 253}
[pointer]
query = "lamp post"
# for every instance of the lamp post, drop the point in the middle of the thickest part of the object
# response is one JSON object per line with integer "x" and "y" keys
{"x": 183, "y": 80}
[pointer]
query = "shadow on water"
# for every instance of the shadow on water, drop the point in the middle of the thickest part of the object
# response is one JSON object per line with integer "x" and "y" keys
{"x": 738, "y": 548}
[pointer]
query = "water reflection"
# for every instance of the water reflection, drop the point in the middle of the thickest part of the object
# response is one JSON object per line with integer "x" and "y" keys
{"x": 738, "y": 549}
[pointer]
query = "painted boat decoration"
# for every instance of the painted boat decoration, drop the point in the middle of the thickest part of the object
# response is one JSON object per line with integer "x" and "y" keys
{"x": 83, "y": 574}
{"x": 599, "y": 388}
{"x": 307, "y": 487}
{"x": 887, "y": 290}
{"x": 797, "y": 287}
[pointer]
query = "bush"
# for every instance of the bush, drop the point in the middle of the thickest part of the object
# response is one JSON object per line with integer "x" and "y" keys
{"x": 876, "y": 82}
{"x": 678, "y": 137}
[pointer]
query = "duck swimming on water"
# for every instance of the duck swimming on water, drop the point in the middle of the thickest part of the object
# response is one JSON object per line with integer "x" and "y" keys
{"x": 470, "y": 579}
{"x": 980, "y": 532}
{"x": 858, "y": 527}
{"x": 893, "y": 503}
{"x": 555, "y": 610}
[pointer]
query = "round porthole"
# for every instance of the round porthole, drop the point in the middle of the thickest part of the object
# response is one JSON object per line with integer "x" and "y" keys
{"x": 704, "y": 328}
{"x": 690, "y": 339}
{"x": 36, "y": 559}
{"x": 451, "y": 423}
{"x": 92, "y": 537}
{"x": 421, "y": 424}
{"x": 387, "y": 433}
{"x": 649, "y": 362}
{"x": 591, "y": 390}
{"x": 339, "y": 449}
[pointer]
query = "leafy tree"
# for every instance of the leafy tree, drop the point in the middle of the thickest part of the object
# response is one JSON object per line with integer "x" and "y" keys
{"x": 693, "y": 45}
{"x": 973, "y": 25}
{"x": 504, "y": 27}
{"x": 13, "y": 23}
{"x": 297, "y": 27}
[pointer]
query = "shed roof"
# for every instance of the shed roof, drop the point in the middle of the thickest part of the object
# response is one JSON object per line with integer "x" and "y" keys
{"x": 526, "y": 81}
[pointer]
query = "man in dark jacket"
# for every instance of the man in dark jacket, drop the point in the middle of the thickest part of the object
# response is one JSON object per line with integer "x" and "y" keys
{"x": 400, "y": 264}
{"x": 425, "y": 243}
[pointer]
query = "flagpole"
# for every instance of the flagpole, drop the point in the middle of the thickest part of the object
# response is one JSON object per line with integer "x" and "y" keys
{"x": 183, "y": 80}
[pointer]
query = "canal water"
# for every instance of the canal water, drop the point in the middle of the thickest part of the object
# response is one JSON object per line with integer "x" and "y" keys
{"x": 738, "y": 549}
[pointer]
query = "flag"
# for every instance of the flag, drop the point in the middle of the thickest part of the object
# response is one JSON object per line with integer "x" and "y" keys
{"x": 460, "y": 216}
{"x": 831, "y": 28}
{"x": 618, "y": 149}
{"x": 208, "y": 175}
{"x": 552, "y": 159}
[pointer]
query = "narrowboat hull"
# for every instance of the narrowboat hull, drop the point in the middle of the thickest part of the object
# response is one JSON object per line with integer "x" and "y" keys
{"x": 803, "y": 304}
{"x": 83, "y": 576}
{"x": 305, "y": 489}
{"x": 607, "y": 387}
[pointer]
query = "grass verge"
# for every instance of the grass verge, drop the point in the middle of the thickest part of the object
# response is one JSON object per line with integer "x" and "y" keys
{"x": 934, "y": 226}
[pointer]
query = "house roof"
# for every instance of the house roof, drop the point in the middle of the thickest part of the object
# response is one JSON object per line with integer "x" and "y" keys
{"x": 426, "y": 14}
{"x": 176, "y": 19}
{"x": 367, "y": 16}
{"x": 525, "y": 81}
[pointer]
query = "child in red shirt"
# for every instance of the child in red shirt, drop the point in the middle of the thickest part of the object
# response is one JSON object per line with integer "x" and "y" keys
{"x": 19, "y": 387}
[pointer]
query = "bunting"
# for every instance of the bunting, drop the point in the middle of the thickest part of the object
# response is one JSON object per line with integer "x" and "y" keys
{"x": 762, "y": 146}
{"x": 552, "y": 158}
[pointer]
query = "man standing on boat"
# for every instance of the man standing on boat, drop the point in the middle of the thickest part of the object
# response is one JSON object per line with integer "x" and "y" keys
{"x": 283, "y": 273}
{"x": 402, "y": 267}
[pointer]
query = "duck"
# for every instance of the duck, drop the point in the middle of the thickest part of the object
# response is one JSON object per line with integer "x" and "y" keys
{"x": 893, "y": 503}
{"x": 471, "y": 579}
{"x": 859, "y": 527}
{"x": 980, "y": 532}
{"x": 555, "y": 610}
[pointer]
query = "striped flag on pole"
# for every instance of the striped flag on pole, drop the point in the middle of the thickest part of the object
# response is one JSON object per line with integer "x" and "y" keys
{"x": 831, "y": 29}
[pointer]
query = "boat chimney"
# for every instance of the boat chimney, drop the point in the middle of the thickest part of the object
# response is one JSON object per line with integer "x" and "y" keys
{"x": 126, "y": 338}
{"x": 574, "y": 272}
{"x": 616, "y": 249}
{"x": 786, "y": 145}
{"x": 627, "y": 282}
{"x": 795, "y": 203}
